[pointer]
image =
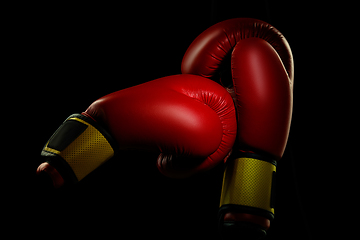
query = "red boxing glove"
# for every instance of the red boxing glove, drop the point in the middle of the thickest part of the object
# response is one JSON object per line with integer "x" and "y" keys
{"x": 262, "y": 77}
{"x": 189, "y": 119}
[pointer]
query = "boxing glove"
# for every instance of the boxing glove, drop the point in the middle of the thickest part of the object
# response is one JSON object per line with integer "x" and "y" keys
{"x": 257, "y": 60}
{"x": 189, "y": 120}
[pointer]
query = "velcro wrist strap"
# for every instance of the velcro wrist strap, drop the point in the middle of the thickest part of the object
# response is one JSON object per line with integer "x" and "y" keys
{"x": 78, "y": 147}
{"x": 248, "y": 186}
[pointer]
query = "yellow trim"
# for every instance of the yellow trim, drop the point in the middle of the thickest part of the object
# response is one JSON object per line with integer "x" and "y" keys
{"x": 80, "y": 120}
{"x": 51, "y": 150}
{"x": 247, "y": 182}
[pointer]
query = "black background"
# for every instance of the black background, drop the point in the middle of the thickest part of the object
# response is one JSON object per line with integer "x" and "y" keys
{"x": 63, "y": 56}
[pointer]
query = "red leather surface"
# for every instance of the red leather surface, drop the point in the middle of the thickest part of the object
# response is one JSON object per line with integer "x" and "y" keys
{"x": 181, "y": 115}
{"x": 263, "y": 97}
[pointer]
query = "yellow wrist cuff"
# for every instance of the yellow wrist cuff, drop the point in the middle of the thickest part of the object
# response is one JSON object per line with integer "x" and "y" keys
{"x": 248, "y": 182}
{"x": 81, "y": 143}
